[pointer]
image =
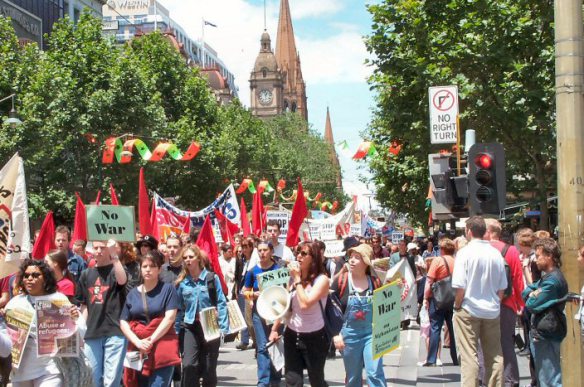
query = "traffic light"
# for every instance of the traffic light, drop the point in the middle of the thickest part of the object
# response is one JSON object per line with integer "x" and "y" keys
{"x": 486, "y": 179}
{"x": 449, "y": 191}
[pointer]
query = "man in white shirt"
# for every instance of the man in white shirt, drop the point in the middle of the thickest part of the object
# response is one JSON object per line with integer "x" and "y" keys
{"x": 282, "y": 253}
{"x": 479, "y": 282}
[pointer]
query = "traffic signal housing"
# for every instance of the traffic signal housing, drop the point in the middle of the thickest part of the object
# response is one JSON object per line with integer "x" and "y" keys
{"x": 486, "y": 179}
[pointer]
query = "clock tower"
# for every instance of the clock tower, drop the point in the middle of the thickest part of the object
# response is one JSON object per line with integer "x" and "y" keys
{"x": 265, "y": 82}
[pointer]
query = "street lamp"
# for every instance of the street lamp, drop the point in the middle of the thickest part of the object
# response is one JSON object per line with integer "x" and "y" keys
{"x": 12, "y": 119}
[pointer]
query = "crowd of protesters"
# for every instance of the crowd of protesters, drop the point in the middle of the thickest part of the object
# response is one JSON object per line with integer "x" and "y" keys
{"x": 144, "y": 300}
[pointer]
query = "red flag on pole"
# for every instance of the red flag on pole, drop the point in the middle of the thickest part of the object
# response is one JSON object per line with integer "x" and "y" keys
{"x": 256, "y": 214}
{"x": 143, "y": 210}
{"x": 206, "y": 242}
{"x": 80, "y": 224}
{"x": 187, "y": 226}
{"x": 154, "y": 231}
{"x": 46, "y": 239}
{"x": 228, "y": 229}
{"x": 244, "y": 220}
{"x": 299, "y": 212}
{"x": 113, "y": 195}
{"x": 97, "y": 198}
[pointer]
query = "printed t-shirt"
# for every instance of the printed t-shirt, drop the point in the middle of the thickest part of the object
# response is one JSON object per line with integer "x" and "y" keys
{"x": 160, "y": 299}
{"x": 104, "y": 298}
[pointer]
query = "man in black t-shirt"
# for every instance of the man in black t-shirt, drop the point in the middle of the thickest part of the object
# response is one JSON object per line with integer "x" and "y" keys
{"x": 101, "y": 293}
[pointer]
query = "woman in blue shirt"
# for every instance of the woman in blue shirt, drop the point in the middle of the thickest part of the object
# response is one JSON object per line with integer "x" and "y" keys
{"x": 199, "y": 289}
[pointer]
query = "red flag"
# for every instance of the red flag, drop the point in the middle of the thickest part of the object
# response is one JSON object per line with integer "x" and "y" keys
{"x": 97, "y": 198}
{"x": 244, "y": 220}
{"x": 299, "y": 212}
{"x": 154, "y": 231}
{"x": 113, "y": 195}
{"x": 228, "y": 229}
{"x": 257, "y": 216}
{"x": 143, "y": 210}
{"x": 80, "y": 224}
{"x": 206, "y": 242}
{"x": 46, "y": 239}
{"x": 187, "y": 226}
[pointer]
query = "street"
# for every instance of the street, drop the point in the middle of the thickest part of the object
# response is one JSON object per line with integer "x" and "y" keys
{"x": 238, "y": 368}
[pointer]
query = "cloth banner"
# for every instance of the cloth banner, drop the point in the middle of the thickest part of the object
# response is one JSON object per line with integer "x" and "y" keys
{"x": 172, "y": 219}
{"x": 409, "y": 296}
{"x": 14, "y": 228}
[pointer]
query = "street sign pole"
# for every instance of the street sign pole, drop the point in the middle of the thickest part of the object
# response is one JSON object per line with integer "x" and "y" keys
{"x": 458, "y": 145}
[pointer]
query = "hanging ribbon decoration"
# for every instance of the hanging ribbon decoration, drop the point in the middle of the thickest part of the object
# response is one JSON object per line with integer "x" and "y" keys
{"x": 281, "y": 185}
{"x": 366, "y": 148}
{"x": 246, "y": 184}
{"x": 291, "y": 198}
{"x": 265, "y": 187}
{"x": 316, "y": 198}
{"x": 123, "y": 153}
{"x": 395, "y": 148}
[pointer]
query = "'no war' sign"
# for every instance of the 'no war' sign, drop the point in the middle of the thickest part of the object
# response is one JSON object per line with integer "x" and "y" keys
{"x": 110, "y": 222}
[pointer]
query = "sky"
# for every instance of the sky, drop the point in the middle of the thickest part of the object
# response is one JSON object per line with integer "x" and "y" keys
{"x": 329, "y": 38}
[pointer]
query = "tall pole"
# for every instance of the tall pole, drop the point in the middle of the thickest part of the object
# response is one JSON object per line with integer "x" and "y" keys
{"x": 570, "y": 144}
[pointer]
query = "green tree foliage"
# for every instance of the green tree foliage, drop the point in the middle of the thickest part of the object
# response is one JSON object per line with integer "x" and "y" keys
{"x": 85, "y": 88}
{"x": 499, "y": 54}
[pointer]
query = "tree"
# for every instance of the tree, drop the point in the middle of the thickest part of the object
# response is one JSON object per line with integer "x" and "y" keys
{"x": 499, "y": 54}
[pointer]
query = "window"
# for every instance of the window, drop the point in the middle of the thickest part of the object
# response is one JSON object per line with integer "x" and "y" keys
{"x": 264, "y": 72}
{"x": 293, "y": 106}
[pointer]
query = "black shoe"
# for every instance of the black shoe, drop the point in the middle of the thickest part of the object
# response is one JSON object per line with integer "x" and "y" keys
{"x": 242, "y": 346}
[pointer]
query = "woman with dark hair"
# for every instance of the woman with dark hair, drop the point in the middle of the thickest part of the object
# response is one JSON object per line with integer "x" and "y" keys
{"x": 57, "y": 261}
{"x": 147, "y": 321}
{"x": 37, "y": 282}
{"x": 305, "y": 341}
{"x": 198, "y": 289}
{"x": 129, "y": 259}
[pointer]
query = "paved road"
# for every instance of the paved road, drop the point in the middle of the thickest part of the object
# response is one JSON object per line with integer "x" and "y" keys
{"x": 238, "y": 368}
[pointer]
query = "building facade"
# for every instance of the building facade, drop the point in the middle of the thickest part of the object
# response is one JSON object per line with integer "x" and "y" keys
{"x": 127, "y": 18}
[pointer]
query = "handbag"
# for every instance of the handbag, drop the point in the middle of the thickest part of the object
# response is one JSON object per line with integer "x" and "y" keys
{"x": 443, "y": 292}
{"x": 332, "y": 315}
{"x": 551, "y": 323}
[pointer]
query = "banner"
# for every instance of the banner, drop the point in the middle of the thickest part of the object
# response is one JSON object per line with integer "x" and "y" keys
{"x": 283, "y": 219}
{"x": 14, "y": 228}
{"x": 172, "y": 219}
{"x": 106, "y": 222}
{"x": 18, "y": 323}
{"x": 402, "y": 272}
{"x": 386, "y": 319}
{"x": 273, "y": 278}
{"x": 326, "y": 229}
{"x": 57, "y": 331}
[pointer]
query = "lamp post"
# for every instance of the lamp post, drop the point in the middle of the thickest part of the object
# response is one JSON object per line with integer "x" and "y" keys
{"x": 12, "y": 119}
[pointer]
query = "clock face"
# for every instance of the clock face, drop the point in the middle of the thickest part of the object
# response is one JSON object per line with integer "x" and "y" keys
{"x": 265, "y": 97}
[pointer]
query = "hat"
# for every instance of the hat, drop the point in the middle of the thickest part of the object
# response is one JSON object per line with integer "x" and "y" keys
{"x": 147, "y": 240}
{"x": 365, "y": 251}
{"x": 412, "y": 246}
{"x": 350, "y": 242}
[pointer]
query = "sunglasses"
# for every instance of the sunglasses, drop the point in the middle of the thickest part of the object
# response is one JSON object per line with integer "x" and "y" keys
{"x": 34, "y": 275}
{"x": 303, "y": 253}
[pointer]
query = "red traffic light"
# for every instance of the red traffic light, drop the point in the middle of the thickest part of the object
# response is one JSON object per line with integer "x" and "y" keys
{"x": 484, "y": 161}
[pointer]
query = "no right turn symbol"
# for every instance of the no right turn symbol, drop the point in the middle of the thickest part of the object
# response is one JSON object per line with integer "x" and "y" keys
{"x": 443, "y": 100}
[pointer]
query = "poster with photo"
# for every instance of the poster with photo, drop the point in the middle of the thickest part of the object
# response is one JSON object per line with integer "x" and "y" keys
{"x": 18, "y": 322}
{"x": 57, "y": 331}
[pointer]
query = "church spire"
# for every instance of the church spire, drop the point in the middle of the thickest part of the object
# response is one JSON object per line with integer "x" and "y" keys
{"x": 329, "y": 139}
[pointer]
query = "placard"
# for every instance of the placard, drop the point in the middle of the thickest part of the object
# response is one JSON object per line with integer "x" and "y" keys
{"x": 110, "y": 222}
{"x": 273, "y": 278}
{"x": 334, "y": 249}
{"x": 283, "y": 219}
{"x": 18, "y": 322}
{"x": 57, "y": 331}
{"x": 386, "y": 319}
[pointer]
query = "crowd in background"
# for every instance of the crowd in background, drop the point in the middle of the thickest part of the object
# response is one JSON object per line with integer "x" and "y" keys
{"x": 143, "y": 300}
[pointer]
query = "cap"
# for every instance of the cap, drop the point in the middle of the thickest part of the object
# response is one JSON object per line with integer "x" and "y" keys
{"x": 147, "y": 240}
{"x": 365, "y": 251}
{"x": 412, "y": 246}
{"x": 350, "y": 242}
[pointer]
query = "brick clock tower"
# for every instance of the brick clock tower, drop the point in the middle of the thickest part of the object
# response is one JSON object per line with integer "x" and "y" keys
{"x": 265, "y": 82}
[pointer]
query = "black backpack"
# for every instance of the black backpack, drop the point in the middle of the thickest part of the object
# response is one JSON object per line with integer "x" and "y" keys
{"x": 210, "y": 280}
{"x": 509, "y": 289}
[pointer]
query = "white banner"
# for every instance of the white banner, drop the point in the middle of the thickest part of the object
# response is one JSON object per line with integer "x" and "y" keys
{"x": 409, "y": 298}
{"x": 14, "y": 228}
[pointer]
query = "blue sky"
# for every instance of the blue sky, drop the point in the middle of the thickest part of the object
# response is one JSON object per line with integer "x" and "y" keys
{"x": 329, "y": 39}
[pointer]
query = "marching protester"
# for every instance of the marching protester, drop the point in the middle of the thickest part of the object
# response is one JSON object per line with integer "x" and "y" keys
{"x": 198, "y": 289}
{"x": 101, "y": 293}
{"x": 170, "y": 271}
{"x": 355, "y": 289}
{"x": 147, "y": 321}
{"x": 545, "y": 300}
{"x": 395, "y": 259}
{"x": 267, "y": 375}
{"x": 245, "y": 263}
{"x": 378, "y": 250}
{"x": 227, "y": 262}
{"x": 305, "y": 340}
{"x": 57, "y": 261}
{"x": 441, "y": 268}
{"x": 282, "y": 253}
{"x": 146, "y": 243}
{"x": 479, "y": 282}
{"x": 36, "y": 282}
{"x": 75, "y": 263}
{"x": 129, "y": 260}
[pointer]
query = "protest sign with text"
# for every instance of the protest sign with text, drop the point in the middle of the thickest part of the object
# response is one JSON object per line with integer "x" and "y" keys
{"x": 110, "y": 222}
{"x": 273, "y": 278}
{"x": 18, "y": 323}
{"x": 57, "y": 331}
{"x": 386, "y": 319}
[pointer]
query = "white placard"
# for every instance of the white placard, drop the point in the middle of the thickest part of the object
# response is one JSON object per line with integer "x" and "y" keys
{"x": 334, "y": 249}
{"x": 283, "y": 219}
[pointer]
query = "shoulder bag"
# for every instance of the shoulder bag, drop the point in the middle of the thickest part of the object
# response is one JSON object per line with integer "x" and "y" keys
{"x": 443, "y": 292}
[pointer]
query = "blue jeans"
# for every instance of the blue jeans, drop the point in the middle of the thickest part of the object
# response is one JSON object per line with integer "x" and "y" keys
{"x": 159, "y": 378}
{"x": 437, "y": 318}
{"x": 267, "y": 374}
{"x": 106, "y": 357}
{"x": 244, "y": 333}
{"x": 546, "y": 356}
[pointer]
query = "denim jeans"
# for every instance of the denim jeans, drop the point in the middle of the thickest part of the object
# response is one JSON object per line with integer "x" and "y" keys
{"x": 267, "y": 374}
{"x": 159, "y": 378}
{"x": 106, "y": 357}
{"x": 244, "y": 333}
{"x": 437, "y": 319}
{"x": 546, "y": 356}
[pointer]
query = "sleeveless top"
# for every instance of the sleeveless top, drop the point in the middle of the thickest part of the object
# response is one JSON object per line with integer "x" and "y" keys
{"x": 307, "y": 320}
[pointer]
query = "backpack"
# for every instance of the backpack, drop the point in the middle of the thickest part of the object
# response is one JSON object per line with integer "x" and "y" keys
{"x": 344, "y": 279}
{"x": 210, "y": 280}
{"x": 509, "y": 289}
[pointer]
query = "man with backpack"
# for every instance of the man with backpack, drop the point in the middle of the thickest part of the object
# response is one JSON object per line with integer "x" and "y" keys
{"x": 512, "y": 303}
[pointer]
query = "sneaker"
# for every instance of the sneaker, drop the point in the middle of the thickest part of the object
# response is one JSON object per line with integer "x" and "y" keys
{"x": 439, "y": 362}
{"x": 242, "y": 346}
{"x": 425, "y": 364}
